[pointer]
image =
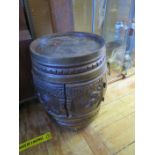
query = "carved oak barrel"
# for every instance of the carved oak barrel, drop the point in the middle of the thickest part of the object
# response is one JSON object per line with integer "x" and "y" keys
{"x": 69, "y": 73}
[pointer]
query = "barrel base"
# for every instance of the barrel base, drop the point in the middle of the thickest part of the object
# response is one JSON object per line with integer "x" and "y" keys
{"x": 77, "y": 123}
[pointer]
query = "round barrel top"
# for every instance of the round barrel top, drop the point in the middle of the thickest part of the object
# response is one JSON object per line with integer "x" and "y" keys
{"x": 67, "y": 47}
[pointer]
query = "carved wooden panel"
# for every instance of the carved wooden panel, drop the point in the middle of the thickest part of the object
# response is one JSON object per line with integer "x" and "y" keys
{"x": 84, "y": 97}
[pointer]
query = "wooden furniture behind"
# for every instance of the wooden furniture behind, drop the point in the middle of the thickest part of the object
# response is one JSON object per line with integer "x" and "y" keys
{"x": 26, "y": 89}
{"x": 61, "y": 16}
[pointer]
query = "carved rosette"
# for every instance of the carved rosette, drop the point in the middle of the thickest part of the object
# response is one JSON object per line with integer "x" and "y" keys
{"x": 85, "y": 97}
{"x": 52, "y": 97}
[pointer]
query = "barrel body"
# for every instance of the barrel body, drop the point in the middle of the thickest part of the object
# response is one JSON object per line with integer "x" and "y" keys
{"x": 70, "y": 87}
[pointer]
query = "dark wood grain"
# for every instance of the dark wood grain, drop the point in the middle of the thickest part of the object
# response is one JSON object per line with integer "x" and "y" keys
{"x": 22, "y": 21}
{"x": 26, "y": 89}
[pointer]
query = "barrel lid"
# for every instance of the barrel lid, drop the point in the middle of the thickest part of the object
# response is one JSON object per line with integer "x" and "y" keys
{"x": 67, "y": 48}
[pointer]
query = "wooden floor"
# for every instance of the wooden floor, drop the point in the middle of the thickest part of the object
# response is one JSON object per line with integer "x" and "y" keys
{"x": 112, "y": 132}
